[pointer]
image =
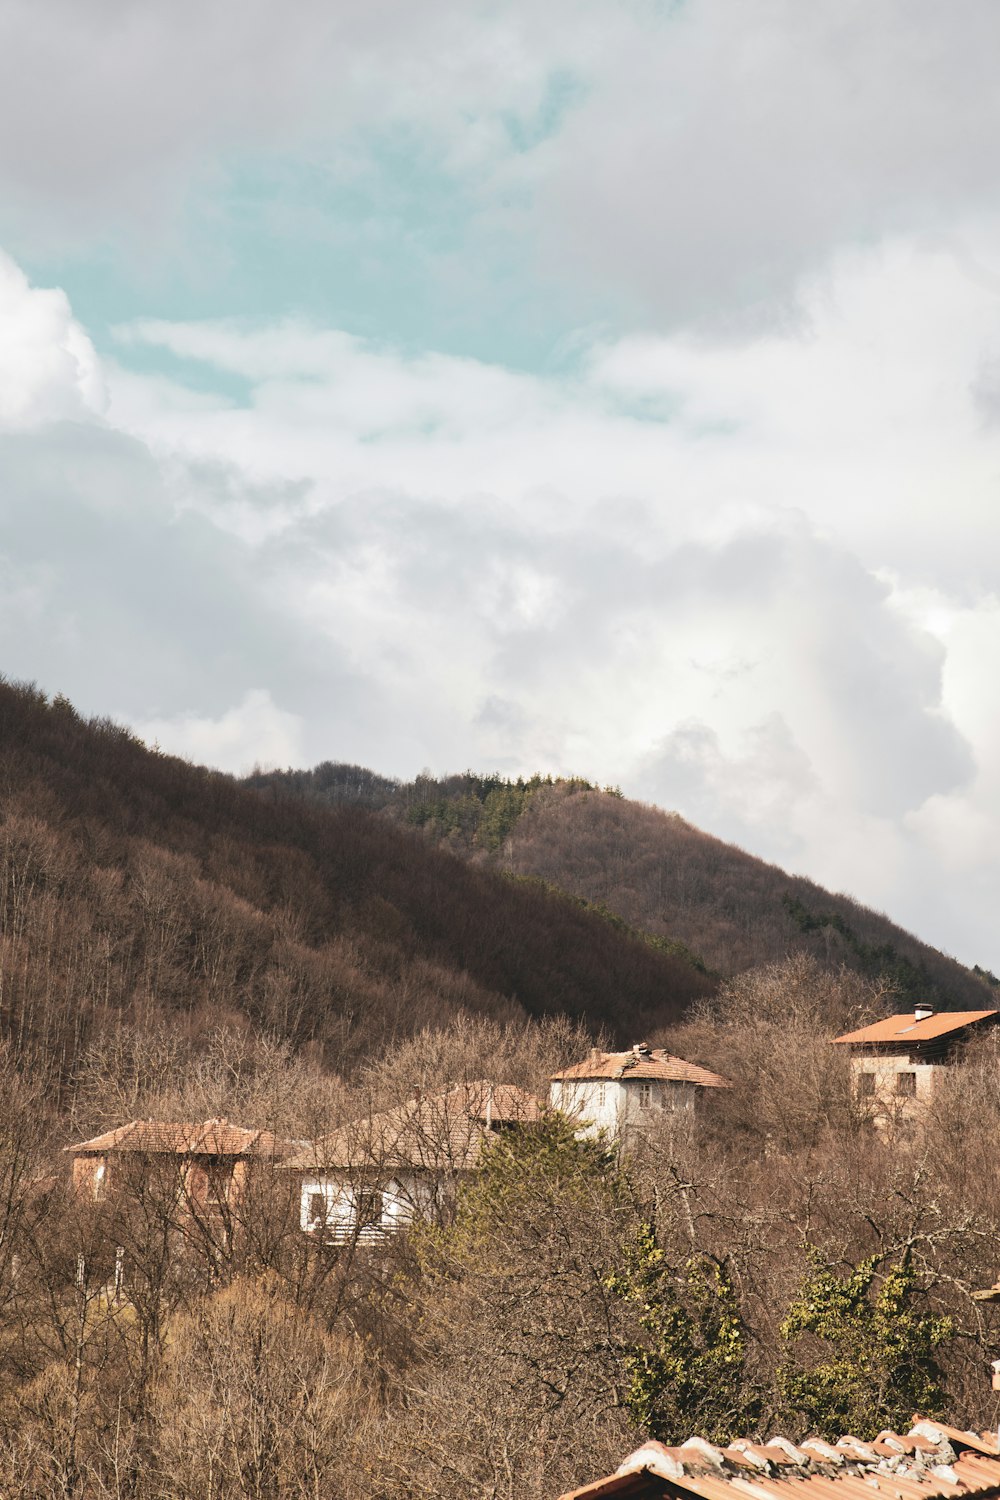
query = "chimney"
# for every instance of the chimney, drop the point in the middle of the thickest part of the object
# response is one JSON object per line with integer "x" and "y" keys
{"x": 596, "y": 1054}
{"x": 922, "y": 1011}
{"x": 641, "y": 1049}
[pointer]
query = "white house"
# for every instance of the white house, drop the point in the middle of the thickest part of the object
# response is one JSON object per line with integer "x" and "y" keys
{"x": 617, "y": 1091}
{"x": 897, "y": 1062}
{"x": 378, "y": 1174}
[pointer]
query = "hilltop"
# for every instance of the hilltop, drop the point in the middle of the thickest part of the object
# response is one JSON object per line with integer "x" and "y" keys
{"x": 650, "y": 868}
{"x": 136, "y": 885}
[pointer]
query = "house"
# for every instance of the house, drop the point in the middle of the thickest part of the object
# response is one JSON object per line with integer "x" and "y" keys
{"x": 379, "y": 1174}
{"x": 208, "y": 1165}
{"x": 616, "y": 1091}
{"x": 897, "y": 1061}
{"x": 930, "y": 1462}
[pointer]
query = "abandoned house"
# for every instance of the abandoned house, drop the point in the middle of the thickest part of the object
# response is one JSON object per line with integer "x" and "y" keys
{"x": 930, "y": 1462}
{"x": 378, "y": 1174}
{"x": 896, "y": 1061}
{"x": 207, "y": 1166}
{"x": 617, "y": 1091}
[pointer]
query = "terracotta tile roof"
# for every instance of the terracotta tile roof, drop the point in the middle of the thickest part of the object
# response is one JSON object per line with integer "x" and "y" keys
{"x": 159, "y": 1138}
{"x": 906, "y": 1028}
{"x": 652, "y": 1062}
{"x": 436, "y": 1132}
{"x": 931, "y": 1462}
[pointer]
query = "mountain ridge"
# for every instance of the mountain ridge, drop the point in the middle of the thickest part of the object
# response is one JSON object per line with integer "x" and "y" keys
{"x": 653, "y": 870}
{"x": 136, "y": 885}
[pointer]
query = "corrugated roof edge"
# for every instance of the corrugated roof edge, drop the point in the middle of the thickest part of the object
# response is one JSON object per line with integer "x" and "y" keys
{"x": 934, "y": 1461}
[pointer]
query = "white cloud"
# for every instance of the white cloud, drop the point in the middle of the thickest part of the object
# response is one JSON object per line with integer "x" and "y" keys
{"x": 713, "y": 571}
{"x": 256, "y": 732}
{"x": 48, "y": 367}
{"x": 109, "y": 114}
{"x": 708, "y": 155}
{"x": 867, "y": 409}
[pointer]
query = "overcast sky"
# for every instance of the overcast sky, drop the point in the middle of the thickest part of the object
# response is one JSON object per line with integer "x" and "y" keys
{"x": 596, "y": 388}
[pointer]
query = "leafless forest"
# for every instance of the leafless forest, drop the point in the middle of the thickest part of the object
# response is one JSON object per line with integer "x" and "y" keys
{"x": 652, "y": 869}
{"x": 177, "y": 947}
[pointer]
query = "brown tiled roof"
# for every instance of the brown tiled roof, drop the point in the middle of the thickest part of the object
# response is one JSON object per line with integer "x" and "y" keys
{"x": 931, "y": 1462}
{"x": 159, "y": 1138}
{"x": 651, "y": 1063}
{"x": 437, "y": 1132}
{"x": 906, "y": 1028}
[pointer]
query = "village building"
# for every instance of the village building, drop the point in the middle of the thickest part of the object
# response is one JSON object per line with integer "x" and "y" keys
{"x": 619, "y": 1091}
{"x": 377, "y": 1175}
{"x": 896, "y": 1062}
{"x": 207, "y": 1166}
{"x": 930, "y": 1462}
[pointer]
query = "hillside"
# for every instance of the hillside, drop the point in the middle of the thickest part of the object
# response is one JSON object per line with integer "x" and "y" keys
{"x": 136, "y": 884}
{"x": 652, "y": 869}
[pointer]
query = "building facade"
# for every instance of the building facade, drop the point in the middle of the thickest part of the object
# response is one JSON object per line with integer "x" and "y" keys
{"x": 617, "y": 1092}
{"x": 379, "y": 1174}
{"x": 897, "y": 1062}
{"x": 207, "y": 1167}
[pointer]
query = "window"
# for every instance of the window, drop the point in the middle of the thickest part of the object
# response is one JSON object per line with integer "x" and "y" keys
{"x": 906, "y": 1084}
{"x": 317, "y": 1208}
{"x": 368, "y": 1206}
{"x": 645, "y": 1095}
{"x": 601, "y": 1095}
{"x": 866, "y": 1085}
{"x": 218, "y": 1181}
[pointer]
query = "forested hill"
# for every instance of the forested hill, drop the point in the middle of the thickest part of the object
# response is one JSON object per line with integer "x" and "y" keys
{"x": 138, "y": 885}
{"x": 652, "y": 869}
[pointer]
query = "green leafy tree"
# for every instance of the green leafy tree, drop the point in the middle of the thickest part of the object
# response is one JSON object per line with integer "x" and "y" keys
{"x": 686, "y": 1372}
{"x": 864, "y": 1353}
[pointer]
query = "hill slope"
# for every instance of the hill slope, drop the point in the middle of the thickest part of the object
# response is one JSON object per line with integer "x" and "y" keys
{"x": 134, "y": 883}
{"x": 652, "y": 869}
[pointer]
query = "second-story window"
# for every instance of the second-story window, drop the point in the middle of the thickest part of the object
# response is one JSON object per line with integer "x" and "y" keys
{"x": 645, "y": 1095}
{"x": 906, "y": 1084}
{"x": 601, "y": 1095}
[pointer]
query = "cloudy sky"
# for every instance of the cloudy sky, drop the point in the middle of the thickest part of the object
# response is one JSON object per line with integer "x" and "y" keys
{"x": 586, "y": 387}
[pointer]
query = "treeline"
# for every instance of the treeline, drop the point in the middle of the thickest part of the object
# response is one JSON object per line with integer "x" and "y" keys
{"x": 651, "y": 869}
{"x": 134, "y": 884}
{"x": 774, "y": 1265}
{"x": 469, "y": 812}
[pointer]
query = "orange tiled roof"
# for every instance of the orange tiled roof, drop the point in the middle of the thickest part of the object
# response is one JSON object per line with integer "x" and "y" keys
{"x": 906, "y": 1028}
{"x": 931, "y": 1462}
{"x": 651, "y": 1063}
{"x": 160, "y": 1138}
{"x": 438, "y": 1132}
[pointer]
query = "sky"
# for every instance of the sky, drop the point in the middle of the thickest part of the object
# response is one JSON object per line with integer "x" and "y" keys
{"x": 586, "y": 388}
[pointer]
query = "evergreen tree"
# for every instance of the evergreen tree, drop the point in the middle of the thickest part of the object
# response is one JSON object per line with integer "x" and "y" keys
{"x": 863, "y": 1352}
{"x": 685, "y": 1373}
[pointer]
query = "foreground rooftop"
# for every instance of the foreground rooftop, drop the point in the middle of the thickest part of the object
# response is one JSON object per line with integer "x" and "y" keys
{"x": 930, "y": 1462}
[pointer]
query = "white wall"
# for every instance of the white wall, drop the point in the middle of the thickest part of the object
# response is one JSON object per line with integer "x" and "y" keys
{"x": 884, "y": 1091}
{"x": 385, "y": 1206}
{"x": 615, "y": 1104}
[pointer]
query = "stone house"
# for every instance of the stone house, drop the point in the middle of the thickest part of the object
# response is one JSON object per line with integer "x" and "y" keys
{"x": 619, "y": 1091}
{"x": 897, "y": 1061}
{"x": 377, "y": 1175}
{"x": 207, "y": 1166}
